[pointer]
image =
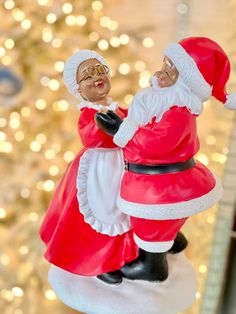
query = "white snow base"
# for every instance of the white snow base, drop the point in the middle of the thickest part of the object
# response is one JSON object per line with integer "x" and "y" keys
{"x": 92, "y": 296}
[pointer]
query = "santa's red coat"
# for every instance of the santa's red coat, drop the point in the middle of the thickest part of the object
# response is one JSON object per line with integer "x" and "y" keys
{"x": 72, "y": 244}
{"x": 172, "y": 195}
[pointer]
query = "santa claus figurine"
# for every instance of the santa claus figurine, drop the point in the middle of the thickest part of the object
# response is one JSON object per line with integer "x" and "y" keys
{"x": 163, "y": 184}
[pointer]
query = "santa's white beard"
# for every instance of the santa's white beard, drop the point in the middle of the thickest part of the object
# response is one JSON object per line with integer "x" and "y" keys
{"x": 154, "y": 101}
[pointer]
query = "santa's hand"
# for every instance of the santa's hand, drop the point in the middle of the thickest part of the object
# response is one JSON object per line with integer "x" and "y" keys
{"x": 109, "y": 122}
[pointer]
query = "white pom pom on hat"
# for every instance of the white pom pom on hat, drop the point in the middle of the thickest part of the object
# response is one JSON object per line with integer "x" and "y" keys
{"x": 71, "y": 67}
{"x": 204, "y": 67}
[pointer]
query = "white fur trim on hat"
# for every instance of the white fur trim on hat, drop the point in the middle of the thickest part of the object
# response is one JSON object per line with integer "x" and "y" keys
{"x": 153, "y": 247}
{"x": 71, "y": 66}
{"x": 188, "y": 71}
{"x": 231, "y": 101}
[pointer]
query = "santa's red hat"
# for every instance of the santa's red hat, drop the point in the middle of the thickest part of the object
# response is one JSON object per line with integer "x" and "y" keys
{"x": 204, "y": 67}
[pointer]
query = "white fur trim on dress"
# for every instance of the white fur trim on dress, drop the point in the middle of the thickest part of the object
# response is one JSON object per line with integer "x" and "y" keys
{"x": 231, "y": 101}
{"x": 153, "y": 247}
{"x": 88, "y": 104}
{"x": 189, "y": 71}
{"x": 120, "y": 222}
{"x": 175, "y": 210}
{"x": 125, "y": 133}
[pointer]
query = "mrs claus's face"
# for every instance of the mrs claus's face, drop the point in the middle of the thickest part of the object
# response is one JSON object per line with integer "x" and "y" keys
{"x": 94, "y": 80}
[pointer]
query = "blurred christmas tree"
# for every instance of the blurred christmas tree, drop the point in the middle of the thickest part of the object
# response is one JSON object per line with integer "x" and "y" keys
{"x": 38, "y": 126}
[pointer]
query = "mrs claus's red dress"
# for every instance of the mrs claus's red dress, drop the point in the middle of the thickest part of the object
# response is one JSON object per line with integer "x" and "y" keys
{"x": 84, "y": 231}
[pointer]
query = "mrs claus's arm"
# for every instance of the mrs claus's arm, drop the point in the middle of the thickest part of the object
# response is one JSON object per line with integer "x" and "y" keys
{"x": 91, "y": 136}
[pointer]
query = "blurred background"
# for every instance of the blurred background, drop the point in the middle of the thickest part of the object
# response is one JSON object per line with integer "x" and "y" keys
{"x": 38, "y": 122}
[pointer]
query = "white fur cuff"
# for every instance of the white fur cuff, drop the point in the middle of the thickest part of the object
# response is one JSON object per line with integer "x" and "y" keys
{"x": 231, "y": 101}
{"x": 125, "y": 133}
{"x": 153, "y": 247}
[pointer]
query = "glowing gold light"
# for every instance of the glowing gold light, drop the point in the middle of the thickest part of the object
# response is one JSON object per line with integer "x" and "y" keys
{"x": 17, "y": 291}
{"x": 9, "y": 43}
{"x": 59, "y": 66}
{"x": 24, "y": 250}
{"x": 48, "y": 185}
{"x": 50, "y": 295}
{"x": 54, "y": 85}
{"x": 14, "y": 123}
{"x": 219, "y": 158}
{"x": 47, "y": 35}
{"x": 26, "y": 24}
{"x": 67, "y": 8}
{"x": 49, "y": 154}
{"x": 71, "y": 20}
{"x": 148, "y": 42}
{"x": 25, "y": 193}
{"x": 25, "y": 111}
{"x": 225, "y": 150}
{"x": 3, "y": 122}
{"x": 19, "y": 136}
{"x": 198, "y": 295}
{"x": 41, "y": 138}
{"x": 124, "y": 39}
{"x": 81, "y": 20}
{"x": 4, "y": 259}
{"x": 113, "y": 25}
{"x": 51, "y": 18}
{"x": 56, "y": 43}
{"x": 105, "y": 21}
{"x": 2, "y": 51}
{"x": 6, "y": 60}
{"x": 103, "y": 44}
{"x": 93, "y": 36}
{"x": 202, "y": 158}
{"x": 115, "y": 41}
{"x": 44, "y": 80}
{"x": 35, "y": 146}
{"x": 3, "y": 213}
{"x": 53, "y": 170}
{"x": 128, "y": 98}
{"x": 9, "y": 4}
{"x": 210, "y": 219}
{"x": 140, "y": 66}
{"x": 144, "y": 79}
{"x": 39, "y": 185}
{"x": 2, "y": 136}
{"x": 40, "y": 104}
{"x": 210, "y": 140}
{"x": 5, "y": 147}
{"x": 7, "y": 295}
{"x": 69, "y": 156}
{"x": 15, "y": 115}
{"x": 97, "y": 5}
{"x": 61, "y": 105}
{"x": 34, "y": 216}
{"x": 43, "y": 2}
{"x": 18, "y": 15}
{"x": 124, "y": 68}
{"x": 202, "y": 269}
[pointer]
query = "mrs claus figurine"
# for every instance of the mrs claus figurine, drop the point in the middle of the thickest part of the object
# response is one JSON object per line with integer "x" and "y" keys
{"x": 88, "y": 238}
{"x": 163, "y": 184}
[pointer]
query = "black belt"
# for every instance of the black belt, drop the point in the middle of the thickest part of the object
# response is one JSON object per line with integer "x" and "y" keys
{"x": 159, "y": 169}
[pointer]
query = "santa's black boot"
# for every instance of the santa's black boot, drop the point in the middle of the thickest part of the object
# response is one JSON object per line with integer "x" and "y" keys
{"x": 112, "y": 277}
{"x": 148, "y": 266}
{"x": 179, "y": 244}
